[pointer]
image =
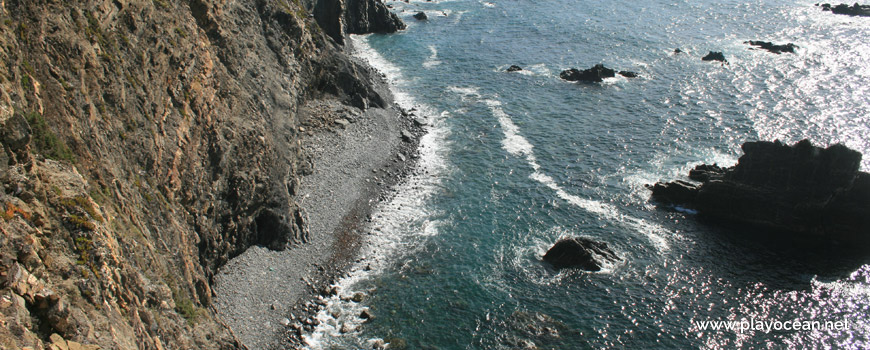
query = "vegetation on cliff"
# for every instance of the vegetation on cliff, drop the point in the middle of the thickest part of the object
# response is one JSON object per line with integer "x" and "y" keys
{"x": 144, "y": 143}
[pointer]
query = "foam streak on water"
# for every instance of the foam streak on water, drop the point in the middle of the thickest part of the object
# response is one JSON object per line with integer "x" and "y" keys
{"x": 517, "y": 145}
{"x": 396, "y": 223}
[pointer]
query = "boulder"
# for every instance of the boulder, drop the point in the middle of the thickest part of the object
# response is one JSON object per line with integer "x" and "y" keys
{"x": 514, "y": 68}
{"x": 421, "y": 16}
{"x": 769, "y": 46}
{"x": 628, "y": 74}
{"x": 714, "y": 56}
{"x": 579, "y": 252}
{"x": 594, "y": 74}
{"x": 808, "y": 191}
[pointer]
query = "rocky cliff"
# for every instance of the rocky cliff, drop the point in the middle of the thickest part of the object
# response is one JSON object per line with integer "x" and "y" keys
{"x": 145, "y": 143}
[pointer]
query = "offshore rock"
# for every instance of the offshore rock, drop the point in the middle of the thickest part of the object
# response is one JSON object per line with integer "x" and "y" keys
{"x": 769, "y": 46}
{"x": 514, "y": 68}
{"x": 421, "y": 16}
{"x": 594, "y": 74}
{"x": 579, "y": 252}
{"x": 812, "y": 192}
{"x": 714, "y": 56}
{"x": 843, "y": 9}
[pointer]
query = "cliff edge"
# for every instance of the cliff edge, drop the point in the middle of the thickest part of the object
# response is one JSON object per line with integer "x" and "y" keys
{"x": 144, "y": 144}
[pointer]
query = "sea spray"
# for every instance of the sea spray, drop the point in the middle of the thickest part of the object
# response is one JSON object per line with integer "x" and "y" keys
{"x": 395, "y": 224}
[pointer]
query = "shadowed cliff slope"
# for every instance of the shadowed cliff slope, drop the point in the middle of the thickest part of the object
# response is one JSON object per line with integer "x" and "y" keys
{"x": 144, "y": 143}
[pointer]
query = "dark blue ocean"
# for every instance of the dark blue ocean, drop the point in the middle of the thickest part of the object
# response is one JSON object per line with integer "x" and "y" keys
{"x": 514, "y": 161}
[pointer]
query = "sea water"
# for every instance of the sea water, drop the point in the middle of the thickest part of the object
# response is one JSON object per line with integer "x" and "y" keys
{"x": 514, "y": 161}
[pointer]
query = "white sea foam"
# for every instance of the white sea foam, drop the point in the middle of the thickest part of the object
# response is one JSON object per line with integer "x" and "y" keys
{"x": 517, "y": 145}
{"x": 432, "y": 60}
{"x": 395, "y": 223}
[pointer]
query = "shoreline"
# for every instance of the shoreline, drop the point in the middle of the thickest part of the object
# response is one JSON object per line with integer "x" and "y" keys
{"x": 354, "y": 160}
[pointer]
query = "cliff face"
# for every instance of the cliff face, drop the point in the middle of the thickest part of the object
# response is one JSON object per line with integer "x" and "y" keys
{"x": 338, "y": 17}
{"x": 144, "y": 143}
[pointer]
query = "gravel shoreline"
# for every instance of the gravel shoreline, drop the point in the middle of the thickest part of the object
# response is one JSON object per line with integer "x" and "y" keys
{"x": 268, "y": 298}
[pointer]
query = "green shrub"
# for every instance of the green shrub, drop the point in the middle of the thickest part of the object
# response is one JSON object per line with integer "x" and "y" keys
{"x": 45, "y": 141}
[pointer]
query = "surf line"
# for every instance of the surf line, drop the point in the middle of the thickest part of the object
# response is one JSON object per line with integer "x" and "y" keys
{"x": 517, "y": 145}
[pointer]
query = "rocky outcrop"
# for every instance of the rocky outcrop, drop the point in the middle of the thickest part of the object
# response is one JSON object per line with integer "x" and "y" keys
{"x": 769, "y": 46}
{"x": 579, "y": 252}
{"x": 714, "y": 56}
{"x": 802, "y": 189}
{"x": 370, "y": 16}
{"x": 145, "y": 143}
{"x": 514, "y": 68}
{"x": 595, "y": 74}
{"x": 421, "y": 16}
{"x": 843, "y": 9}
{"x": 340, "y": 17}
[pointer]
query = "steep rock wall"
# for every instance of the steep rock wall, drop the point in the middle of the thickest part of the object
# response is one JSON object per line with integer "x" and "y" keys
{"x": 145, "y": 143}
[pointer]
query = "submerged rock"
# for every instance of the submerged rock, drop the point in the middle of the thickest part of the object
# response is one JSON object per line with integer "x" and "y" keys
{"x": 714, "y": 56}
{"x": 769, "y": 46}
{"x": 514, "y": 68}
{"x": 843, "y": 9}
{"x": 802, "y": 189}
{"x": 579, "y": 252}
{"x": 421, "y": 16}
{"x": 628, "y": 74}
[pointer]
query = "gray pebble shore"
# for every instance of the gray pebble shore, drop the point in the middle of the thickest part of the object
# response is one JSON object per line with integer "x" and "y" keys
{"x": 268, "y": 297}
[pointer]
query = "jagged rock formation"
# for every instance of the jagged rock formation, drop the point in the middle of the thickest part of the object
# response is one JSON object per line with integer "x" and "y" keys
{"x": 340, "y": 17}
{"x": 843, "y": 9}
{"x": 145, "y": 143}
{"x": 596, "y": 74}
{"x": 579, "y": 252}
{"x": 809, "y": 191}
{"x": 714, "y": 56}
{"x": 774, "y": 48}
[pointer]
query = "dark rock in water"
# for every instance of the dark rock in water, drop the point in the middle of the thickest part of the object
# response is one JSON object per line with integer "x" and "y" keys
{"x": 579, "y": 252}
{"x": 628, "y": 74}
{"x": 714, "y": 56}
{"x": 805, "y": 190}
{"x": 769, "y": 46}
{"x": 421, "y": 16}
{"x": 843, "y": 9}
{"x": 594, "y": 74}
{"x": 676, "y": 51}
{"x": 706, "y": 172}
{"x": 677, "y": 192}
{"x": 514, "y": 68}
